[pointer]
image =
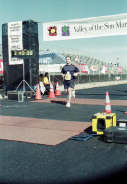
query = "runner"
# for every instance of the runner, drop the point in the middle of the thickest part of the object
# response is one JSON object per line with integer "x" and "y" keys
{"x": 70, "y": 73}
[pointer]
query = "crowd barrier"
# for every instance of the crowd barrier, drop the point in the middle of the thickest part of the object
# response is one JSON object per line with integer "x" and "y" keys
{"x": 85, "y": 78}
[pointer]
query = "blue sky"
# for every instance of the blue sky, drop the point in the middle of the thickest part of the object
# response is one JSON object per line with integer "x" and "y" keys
{"x": 104, "y": 48}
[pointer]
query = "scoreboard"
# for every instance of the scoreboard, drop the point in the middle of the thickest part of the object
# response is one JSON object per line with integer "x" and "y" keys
{"x": 23, "y": 53}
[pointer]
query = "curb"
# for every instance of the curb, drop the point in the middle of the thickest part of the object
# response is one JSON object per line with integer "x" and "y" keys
{"x": 96, "y": 84}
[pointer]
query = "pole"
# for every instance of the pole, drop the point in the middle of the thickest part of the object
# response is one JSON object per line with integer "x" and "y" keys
{"x": 23, "y": 77}
{"x": 23, "y": 82}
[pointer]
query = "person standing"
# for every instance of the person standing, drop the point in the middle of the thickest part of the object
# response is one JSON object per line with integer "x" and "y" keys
{"x": 46, "y": 82}
{"x": 42, "y": 87}
{"x": 70, "y": 73}
{"x": 41, "y": 77}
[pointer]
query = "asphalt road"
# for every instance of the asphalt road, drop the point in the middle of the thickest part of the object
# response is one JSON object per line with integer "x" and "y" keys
{"x": 92, "y": 161}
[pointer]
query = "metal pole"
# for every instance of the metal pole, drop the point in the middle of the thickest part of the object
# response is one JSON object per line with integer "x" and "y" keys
{"x": 23, "y": 77}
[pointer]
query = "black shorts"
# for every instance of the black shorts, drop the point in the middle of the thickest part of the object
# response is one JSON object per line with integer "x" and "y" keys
{"x": 69, "y": 84}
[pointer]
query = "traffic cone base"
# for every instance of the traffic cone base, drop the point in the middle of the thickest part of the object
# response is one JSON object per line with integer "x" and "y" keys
{"x": 38, "y": 95}
{"x": 108, "y": 111}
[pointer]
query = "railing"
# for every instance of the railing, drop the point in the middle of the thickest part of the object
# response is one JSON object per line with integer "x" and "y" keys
{"x": 85, "y": 78}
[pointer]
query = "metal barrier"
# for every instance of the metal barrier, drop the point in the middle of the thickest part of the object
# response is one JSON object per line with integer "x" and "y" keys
{"x": 85, "y": 78}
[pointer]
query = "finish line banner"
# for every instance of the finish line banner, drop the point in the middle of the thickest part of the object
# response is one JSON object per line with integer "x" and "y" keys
{"x": 85, "y": 28}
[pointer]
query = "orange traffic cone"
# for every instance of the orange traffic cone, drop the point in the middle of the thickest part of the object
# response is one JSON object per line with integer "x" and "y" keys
{"x": 51, "y": 93}
{"x": 58, "y": 93}
{"x": 107, "y": 105}
{"x": 38, "y": 95}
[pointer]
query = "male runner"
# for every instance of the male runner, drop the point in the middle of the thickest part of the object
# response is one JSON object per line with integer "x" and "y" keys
{"x": 70, "y": 73}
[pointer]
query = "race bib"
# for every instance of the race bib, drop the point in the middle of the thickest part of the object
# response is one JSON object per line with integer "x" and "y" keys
{"x": 68, "y": 76}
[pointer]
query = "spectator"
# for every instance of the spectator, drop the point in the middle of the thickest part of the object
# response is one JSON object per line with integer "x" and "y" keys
{"x": 42, "y": 88}
{"x": 46, "y": 82}
{"x": 41, "y": 77}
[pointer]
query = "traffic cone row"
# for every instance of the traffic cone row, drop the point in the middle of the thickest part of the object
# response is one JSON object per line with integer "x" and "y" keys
{"x": 38, "y": 95}
{"x": 107, "y": 104}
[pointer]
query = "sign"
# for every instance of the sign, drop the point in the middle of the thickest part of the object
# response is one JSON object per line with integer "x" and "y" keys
{"x": 1, "y": 67}
{"x": 84, "y": 68}
{"x": 85, "y": 28}
{"x": 50, "y": 68}
{"x": 15, "y": 41}
{"x": 94, "y": 68}
{"x": 22, "y": 53}
{"x": 119, "y": 69}
{"x": 104, "y": 69}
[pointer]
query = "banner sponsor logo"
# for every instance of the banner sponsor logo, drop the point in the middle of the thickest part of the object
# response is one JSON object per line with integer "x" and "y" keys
{"x": 65, "y": 31}
{"x": 15, "y": 41}
{"x": 52, "y": 30}
{"x": 86, "y": 28}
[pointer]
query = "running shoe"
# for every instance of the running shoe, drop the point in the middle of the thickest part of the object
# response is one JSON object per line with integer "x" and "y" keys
{"x": 68, "y": 105}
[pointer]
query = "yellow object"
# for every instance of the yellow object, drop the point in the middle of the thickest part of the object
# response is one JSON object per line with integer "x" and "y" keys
{"x": 101, "y": 121}
{"x": 41, "y": 79}
{"x": 45, "y": 81}
{"x": 53, "y": 30}
{"x": 68, "y": 76}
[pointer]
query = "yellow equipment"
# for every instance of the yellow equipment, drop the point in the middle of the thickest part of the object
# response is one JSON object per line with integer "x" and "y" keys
{"x": 101, "y": 121}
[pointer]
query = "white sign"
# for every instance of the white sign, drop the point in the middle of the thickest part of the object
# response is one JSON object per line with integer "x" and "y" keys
{"x": 15, "y": 41}
{"x": 85, "y": 28}
{"x": 119, "y": 69}
{"x": 104, "y": 69}
{"x": 84, "y": 68}
{"x": 94, "y": 68}
{"x": 50, "y": 68}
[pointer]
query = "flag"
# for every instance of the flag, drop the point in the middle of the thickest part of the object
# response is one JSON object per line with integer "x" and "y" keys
{"x": 1, "y": 67}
